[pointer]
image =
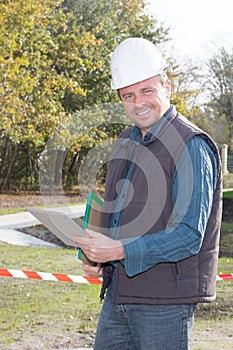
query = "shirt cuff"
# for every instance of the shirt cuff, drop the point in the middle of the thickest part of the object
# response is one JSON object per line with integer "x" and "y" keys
{"x": 135, "y": 252}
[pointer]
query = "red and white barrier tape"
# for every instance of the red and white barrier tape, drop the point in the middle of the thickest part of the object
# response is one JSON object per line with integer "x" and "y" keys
{"x": 224, "y": 277}
{"x": 58, "y": 277}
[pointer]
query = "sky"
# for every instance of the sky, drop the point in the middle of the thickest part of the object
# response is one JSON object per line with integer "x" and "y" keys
{"x": 197, "y": 27}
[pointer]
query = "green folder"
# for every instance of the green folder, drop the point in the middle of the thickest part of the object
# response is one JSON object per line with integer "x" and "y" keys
{"x": 92, "y": 220}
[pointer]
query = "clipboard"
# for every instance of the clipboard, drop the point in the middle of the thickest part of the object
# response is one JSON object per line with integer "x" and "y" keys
{"x": 92, "y": 216}
{"x": 92, "y": 220}
{"x": 59, "y": 224}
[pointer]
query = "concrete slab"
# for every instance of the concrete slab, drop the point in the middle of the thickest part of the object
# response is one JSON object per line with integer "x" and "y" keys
{"x": 25, "y": 219}
{"x": 18, "y": 238}
{"x": 10, "y": 223}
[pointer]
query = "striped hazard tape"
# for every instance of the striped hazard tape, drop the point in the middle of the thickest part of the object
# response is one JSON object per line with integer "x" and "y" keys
{"x": 59, "y": 277}
{"x": 224, "y": 277}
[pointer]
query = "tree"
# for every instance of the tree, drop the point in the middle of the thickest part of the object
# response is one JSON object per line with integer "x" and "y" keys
{"x": 36, "y": 71}
{"x": 37, "y": 68}
{"x": 54, "y": 60}
{"x": 53, "y": 63}
{"x": 186, "y": 88}
{"x": 54, "y": 68}
{"x": 220, "y": 88}
{"x": 110, "y": 22}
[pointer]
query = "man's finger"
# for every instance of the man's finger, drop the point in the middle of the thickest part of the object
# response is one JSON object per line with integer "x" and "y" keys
{"x": 92, "y": 270}
{"x": 93, "y": 234}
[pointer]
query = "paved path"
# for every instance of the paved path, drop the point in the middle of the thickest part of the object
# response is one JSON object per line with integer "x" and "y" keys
{"x": 10, "y": 223}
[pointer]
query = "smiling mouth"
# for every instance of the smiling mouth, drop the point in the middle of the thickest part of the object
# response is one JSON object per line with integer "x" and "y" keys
{"x": 143, "y": 112}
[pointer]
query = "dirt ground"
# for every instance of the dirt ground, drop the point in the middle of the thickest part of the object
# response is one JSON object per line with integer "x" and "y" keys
{"x": 51, "y": 337}
{"x": 20, "y": 200}
{"x": 59, "y": 336}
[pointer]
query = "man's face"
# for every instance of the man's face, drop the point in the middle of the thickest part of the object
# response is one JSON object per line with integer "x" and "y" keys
{"x": 146, "y": 102}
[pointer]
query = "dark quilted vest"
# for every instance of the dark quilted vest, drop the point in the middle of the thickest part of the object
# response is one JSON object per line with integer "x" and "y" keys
{"x": 193, "y": 279}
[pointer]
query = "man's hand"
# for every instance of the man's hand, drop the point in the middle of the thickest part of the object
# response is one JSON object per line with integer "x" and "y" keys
{"x": 100, "y": 248}
{"x": 92, "y": 271}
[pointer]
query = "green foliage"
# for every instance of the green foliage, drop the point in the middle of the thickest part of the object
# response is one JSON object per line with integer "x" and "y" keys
{"x": 18, "y": 165}
{"x": 110, "y": 22}
{"x": 219, "y": 86}
{"x": 185, "y": 88}
{"x": 94, "y": 129}
{"x": 40, "y": 59}
{"x": 54, "y": 61}
{"x": 54, "y": 69}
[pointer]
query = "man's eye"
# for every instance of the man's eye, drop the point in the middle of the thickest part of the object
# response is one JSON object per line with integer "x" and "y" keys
{"x": 128, "y": 97}
{"x": 148, "y": 91}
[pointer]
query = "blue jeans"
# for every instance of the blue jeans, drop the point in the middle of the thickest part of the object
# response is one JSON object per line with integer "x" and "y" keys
{"x": 143, "y": 327}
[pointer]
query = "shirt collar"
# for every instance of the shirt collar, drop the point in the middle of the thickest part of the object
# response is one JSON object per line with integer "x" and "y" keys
{"x": 151, "y": 135}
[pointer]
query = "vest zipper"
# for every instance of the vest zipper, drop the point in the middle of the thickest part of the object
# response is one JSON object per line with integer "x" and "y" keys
{"x": 177, "y": 271}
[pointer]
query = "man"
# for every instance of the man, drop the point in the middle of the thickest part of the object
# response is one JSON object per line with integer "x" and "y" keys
{"x": 162, "y": 213}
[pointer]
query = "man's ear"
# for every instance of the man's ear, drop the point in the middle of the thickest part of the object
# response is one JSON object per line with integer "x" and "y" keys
{"x": 168, "y": 88}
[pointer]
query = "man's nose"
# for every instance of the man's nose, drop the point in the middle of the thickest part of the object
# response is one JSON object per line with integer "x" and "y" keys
{"x": 139, "y": 100}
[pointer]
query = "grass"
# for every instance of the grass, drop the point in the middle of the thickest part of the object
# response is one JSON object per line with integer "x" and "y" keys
{"x": 222, "y": 308}
{"x": 214, "y": 322}
{"x": 226, "y": 239}
{"x": 227, "y": 227}
{"x": 39, "y": 304}
{"x": 71, "y": 307}
{"x": 228, "y": 194}
{"x": 8, "y": 211}
{"x": 30, "y": 307}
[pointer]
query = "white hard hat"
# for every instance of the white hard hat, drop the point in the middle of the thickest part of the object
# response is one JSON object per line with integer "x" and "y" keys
{"x": 135, "y": 60}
